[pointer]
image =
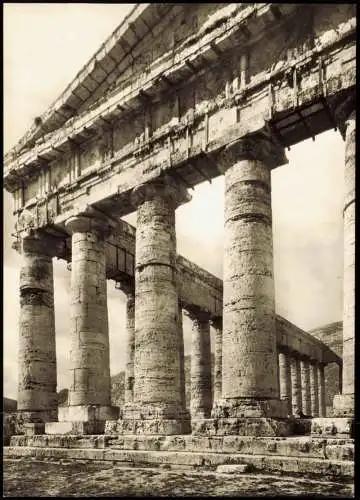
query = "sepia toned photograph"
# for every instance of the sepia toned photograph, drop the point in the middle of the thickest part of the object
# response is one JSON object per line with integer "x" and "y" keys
{"x": 179, "y": 249}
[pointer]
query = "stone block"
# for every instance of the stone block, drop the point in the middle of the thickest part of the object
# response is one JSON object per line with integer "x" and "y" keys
{"x": 249, "y": 408}
{"x": 87, "y": 413}
{"x": 344, "y": 405}
{"x": 242, "y": 427}
{"x": 31, "y": 429}
{"x": 91, "y": 427}
{"x": 332, "y": 426}
{"x": 233, "y": 468}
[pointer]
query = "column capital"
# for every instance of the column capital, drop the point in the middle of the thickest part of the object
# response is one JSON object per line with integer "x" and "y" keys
{"x": 39, "y": 242}
{"x": 86, "y": 223}
{"x": 261, "y": 146}
{"x": 216, "y": 322}
{"x": 165, "y": 187}
{"x": 197, "y": 314}
{"x": 126, "y": 285}
{"x": 344, "y": 111}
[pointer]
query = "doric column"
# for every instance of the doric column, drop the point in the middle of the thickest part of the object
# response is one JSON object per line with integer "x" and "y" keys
{"x": 37, "y": 396}
{"x": 296, "y": 395}
{"x": 182, "y": 358}
{"x": 314, "y": 390}
{"x": 90, "y": 333}
{"x": 285, "y": 380}
{"x": 305, "y": 386}
{"x": 249, "y": 350}
{"x": 217, "y": 325}
{"x": 321, "y": 389}
{"x": 200, "y": 403}
{"x": 344, "y": 404}
{"x": 128, "y": 287}
{"x": 157, "y": 390}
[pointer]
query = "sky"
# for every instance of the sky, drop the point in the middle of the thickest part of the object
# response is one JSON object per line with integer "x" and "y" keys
{"x": 45, "y": 45}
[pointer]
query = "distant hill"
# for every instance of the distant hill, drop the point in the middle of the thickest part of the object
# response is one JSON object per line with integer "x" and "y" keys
{"x": 9, "y": 404}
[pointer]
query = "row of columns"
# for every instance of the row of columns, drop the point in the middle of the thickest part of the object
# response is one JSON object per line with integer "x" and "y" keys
{"x": 248, "y": 344}
{"x": 302, "y": 385}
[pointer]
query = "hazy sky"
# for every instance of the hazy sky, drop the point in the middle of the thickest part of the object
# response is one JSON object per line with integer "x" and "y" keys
{"x": 45, "y": 45}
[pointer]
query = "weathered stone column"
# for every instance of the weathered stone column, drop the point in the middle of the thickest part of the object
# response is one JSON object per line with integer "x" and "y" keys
{"x": 182, "y": 357}
{"x": 296, "y": 395}
{"x": 344, "y": 403}
{"x": 321, "y": 389}
{"x": 305, "y": 386}
{"x": 37, "y": 397}
{"x": 249, "y": 353}
{"x": 201, "y": 401}
{"x": 90, "y": 334}
{"x": 285, "y": 380}
{"x": 157, "y": 389}
{"x": 127, "y": 286}
{"x": 217, "y": 325}
{"x": 314, "y": 390}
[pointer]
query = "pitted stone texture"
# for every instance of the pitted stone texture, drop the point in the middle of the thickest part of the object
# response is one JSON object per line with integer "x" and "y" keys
{"x": 217, "y": 324}
{"x": 201, "y": 399}
{"x": 344, "y": 405}
{"x": 90, "y": 337}
{"x": 285, "y": 380}
{"x": 157, "y": 356}
{"x": 87, "y": 413}
{"x": 249, "y": 408}
{"x": 296, "y": 396}
{"x": 249, "y": 336}
{"x": 321, "y": 388}
{"x": 333, "y": 427}
{"x": 255, "y": 426}
{"x": 37, "y": 350}
{"x": 182, "y": 358}
{"x": 75, "y": 427}
{"x": 314, "y": 390}
{"x": 153, "y": 411}
{"x": 130, "y": 348}
{"x": 22, "y": 418}
{"x": 305, "y": 386}
{"x": 150, "y": 427}
{"x": 349, "y": 260}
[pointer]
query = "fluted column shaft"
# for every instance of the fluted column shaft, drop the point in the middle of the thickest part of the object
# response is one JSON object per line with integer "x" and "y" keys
{"x": 314, "y": 390}
{"x": 285, "y": 380}
{"x": 130, "y": 348}
{"x": 321, "y": 389}
{"x": 305, "y": 386}
{"x": 201, "y": 401}
{"x": 182, "y": 358}
{"x": 37, "y": 346}
{"x": 217, "y": 324}
{"x": 296, "y": 385}
{"x": 89, "y": 317}
{"x": 157, "y": 353}
{"x": 249, "y": 338}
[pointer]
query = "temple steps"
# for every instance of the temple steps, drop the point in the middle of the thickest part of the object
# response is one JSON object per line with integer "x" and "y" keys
{"x": 330, "y": 457}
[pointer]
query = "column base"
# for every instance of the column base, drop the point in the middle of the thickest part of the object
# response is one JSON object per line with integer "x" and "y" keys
{"x": 247, "y": 426}
{"x": 249, "y": 408}
{"x": 332, "y": 426}
{"x": 158, "y": 427}
{"x": 87, "y": 413}
{"x": 344, "y": 405}
{"x": 154, "y": 411}
{"x": 31, "y": 423}
{"x": 73, "y": 427}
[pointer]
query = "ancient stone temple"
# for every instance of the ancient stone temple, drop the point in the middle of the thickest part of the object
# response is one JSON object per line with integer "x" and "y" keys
{"x": 179, "y": 94}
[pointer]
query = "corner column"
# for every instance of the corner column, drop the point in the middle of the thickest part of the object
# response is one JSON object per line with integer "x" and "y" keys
{"x": 37, "y": 396}
{"x": 201, "y": 401}
{"x": 344, "y": 404}
{"x": 249, "y": 352}
{"x": 158, "y": 402}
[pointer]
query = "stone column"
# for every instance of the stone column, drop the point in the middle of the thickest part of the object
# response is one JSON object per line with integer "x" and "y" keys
{"x": 37, "y": 396}
{"x": 200, "y": 403}
{"x": 321, "y": 389}
{"x": 249, "y": 353}
{"x": 182, "y": 357}
{"x": 305, "y": 386}
{"x": 314, "y": 390}
{"x": 285, "y": 380}
{"x": 157, "y": 390}
{"x": 217, "y": 325}
{"x": 90, "y": 358}
{"x": 344, "y": 404}
{"x": 296, "y": 396}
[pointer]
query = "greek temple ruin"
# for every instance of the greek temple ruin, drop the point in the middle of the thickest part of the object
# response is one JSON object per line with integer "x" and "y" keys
{"x": 179, "y": 94}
